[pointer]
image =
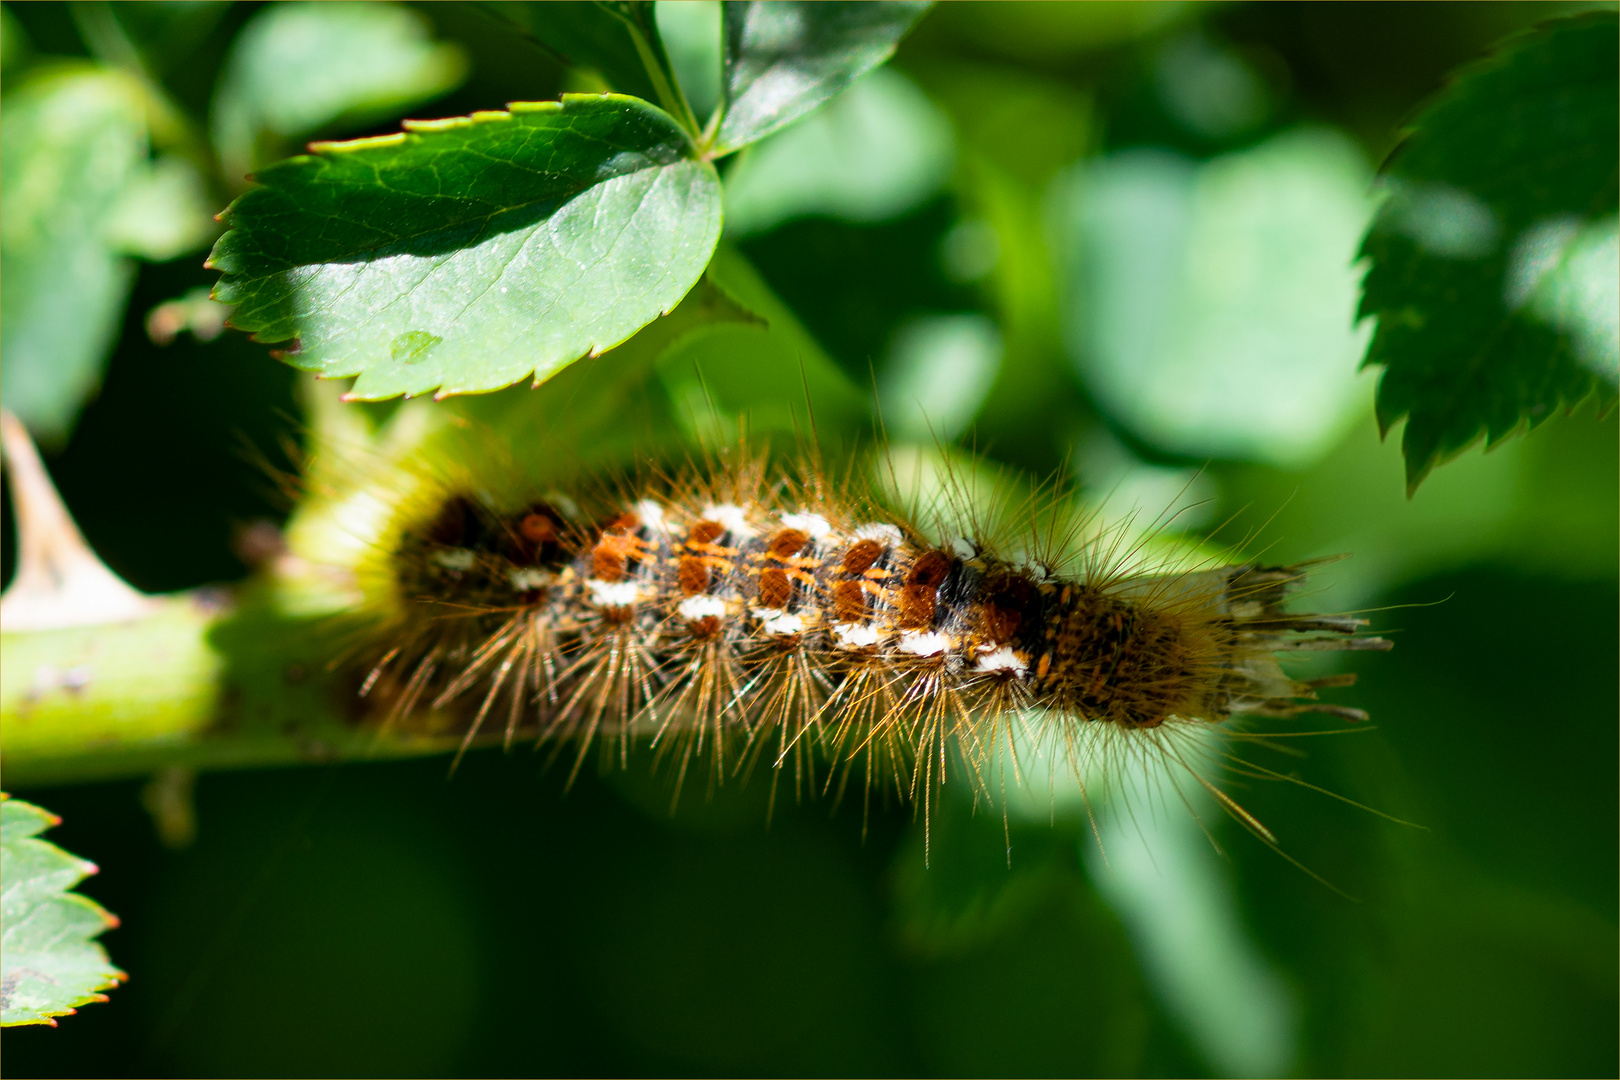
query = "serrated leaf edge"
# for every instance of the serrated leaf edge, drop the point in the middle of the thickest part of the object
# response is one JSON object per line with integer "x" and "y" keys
{"x": 115, "y": 976}
{"x": 419, "y": 128}
{"x": 1496, "y": 56}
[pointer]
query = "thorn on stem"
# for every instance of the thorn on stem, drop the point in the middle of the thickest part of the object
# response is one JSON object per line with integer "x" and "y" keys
{"x": 59, "y": 582}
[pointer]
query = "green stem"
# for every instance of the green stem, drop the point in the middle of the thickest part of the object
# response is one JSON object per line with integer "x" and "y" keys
{"x": 194, "y": 683}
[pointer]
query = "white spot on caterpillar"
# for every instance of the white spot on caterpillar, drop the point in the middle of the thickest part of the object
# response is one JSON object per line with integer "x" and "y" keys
{"x": 456, "y": 559}
{"x": 963, "y": 548}
{"x": 732, "y": 516}
{"x": 918, "y": 643}
{"x": 610, "y": 594}
{"x": 694, "y": 608}
{"x": 781, "y": 625}
{"x": 525, "y": 578}
{"x": 651, "y": 516}
{"x": 883, "y": 533}
{"x": 813, "y": 525}
{"x": 856, "y": 635}
{"x": 1002, "y": 659}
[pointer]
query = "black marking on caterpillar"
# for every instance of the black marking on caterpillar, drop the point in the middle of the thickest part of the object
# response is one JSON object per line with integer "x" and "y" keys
{"x": 734, "y": 618}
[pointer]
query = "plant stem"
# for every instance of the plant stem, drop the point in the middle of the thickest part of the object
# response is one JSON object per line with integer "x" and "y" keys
{"x": 196, "y": 683}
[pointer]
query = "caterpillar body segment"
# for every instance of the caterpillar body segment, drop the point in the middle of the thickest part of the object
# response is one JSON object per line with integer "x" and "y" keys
{"x": 735, "y": 625}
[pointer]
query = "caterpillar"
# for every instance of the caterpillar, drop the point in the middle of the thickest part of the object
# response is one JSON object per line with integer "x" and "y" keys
{"x": 739, "y": 614}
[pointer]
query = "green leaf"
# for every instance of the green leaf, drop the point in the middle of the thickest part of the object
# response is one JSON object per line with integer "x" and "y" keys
{"x": 784, "y": 58}
{"x": 1493, "y": 266}
{"x": 71, "y": 142}
{"x": 1209, "y": 307}
{"x": 48, "y": 964}
{"x": 618, "y": 40}
{"x": 780, "y": 381}
{"x": 595, "y": 412}
{"x": 463, "y": 255}
{"x": 640, "y": 19}
{"x": 298, "y": 68}
{"x": 731, "y": 350}
{"x": 879, "y": 149}
{"x": 164, "y": 213}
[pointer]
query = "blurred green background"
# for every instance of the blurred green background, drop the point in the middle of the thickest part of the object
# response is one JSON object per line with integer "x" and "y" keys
{"x": 1112, "y": 242}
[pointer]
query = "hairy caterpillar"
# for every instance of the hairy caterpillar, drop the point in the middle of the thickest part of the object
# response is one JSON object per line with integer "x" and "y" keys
{"x": 739, "y": 615}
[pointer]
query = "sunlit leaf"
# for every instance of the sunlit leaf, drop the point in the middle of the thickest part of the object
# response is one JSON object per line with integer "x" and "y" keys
{"x": 1495, "y": 275}
{"x": 74, "y": 140}
{"x": 297, "y": 68}
{"x": 784, "y": 58}
{"x": 463, "y": 255}
{"x": 48, "y": 964}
